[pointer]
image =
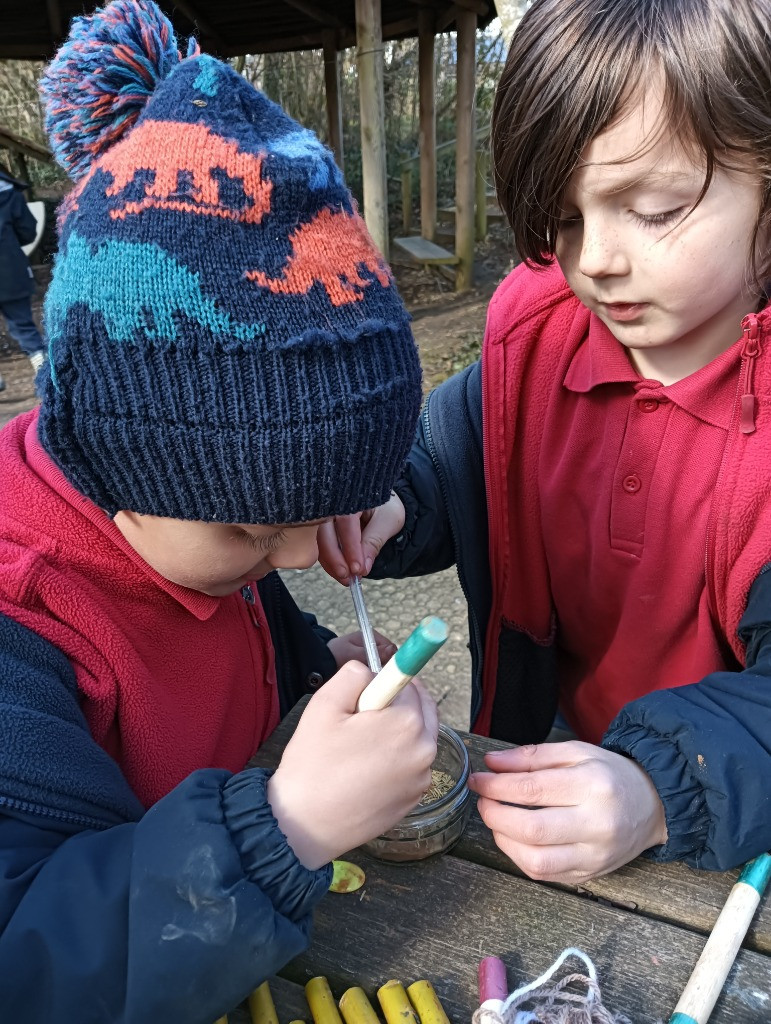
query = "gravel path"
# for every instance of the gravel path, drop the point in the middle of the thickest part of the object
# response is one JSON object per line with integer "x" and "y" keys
{"x": 395, "y": 608}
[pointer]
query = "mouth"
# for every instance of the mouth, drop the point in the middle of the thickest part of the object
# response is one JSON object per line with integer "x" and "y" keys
{"x": 622, "y": 312}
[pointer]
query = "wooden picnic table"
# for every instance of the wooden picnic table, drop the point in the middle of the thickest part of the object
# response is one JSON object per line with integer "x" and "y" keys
{"x": 643, "y": 926}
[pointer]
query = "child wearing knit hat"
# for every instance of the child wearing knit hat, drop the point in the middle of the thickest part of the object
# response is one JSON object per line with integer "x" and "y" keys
{"x": 229, "y": 366}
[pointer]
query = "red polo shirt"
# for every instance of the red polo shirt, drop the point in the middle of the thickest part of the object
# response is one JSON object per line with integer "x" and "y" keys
{"x": 627, "y": 472}
{"x": 170, "y": 679}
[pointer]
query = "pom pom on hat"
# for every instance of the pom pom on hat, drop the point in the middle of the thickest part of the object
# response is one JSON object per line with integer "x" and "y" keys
{"x": 100, "y": 80}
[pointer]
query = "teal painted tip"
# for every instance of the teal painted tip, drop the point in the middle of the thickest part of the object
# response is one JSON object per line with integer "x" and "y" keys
{"x": 424, "y": 641}
{"x": 757, "y": 873}
{"x": 682, "y": 1018}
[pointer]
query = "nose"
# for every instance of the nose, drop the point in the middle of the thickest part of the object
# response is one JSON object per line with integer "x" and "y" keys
{"x": 602, "y": 251}
{"x": 299, "y": 551}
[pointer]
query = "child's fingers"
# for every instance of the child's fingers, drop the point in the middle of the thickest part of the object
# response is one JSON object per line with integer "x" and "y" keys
{"x": 532, "y": 757}
{"x": 349, "y": 537}
{"x": 428, "y": 707}
{"x": 385, "y": 522}
{"x": 386, "y": 649}
{"x": 345, "y": 687}
{"x": 547, "y": 826}
{"x": 330, "y": 555}
{"x": 551, "y": 787}
{"x": 546, "y": 863}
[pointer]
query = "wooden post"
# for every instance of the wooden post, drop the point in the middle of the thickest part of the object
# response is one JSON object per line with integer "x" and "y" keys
{"x": 334, "y": 106}
{"x": 407, "y": 199}
{"x": 466, "y": 23}
{"x": 22, "y": 171}
{"x": 481, "y": 195}
{"x": 427, "y": 123}
{"x": 369, "y": 62}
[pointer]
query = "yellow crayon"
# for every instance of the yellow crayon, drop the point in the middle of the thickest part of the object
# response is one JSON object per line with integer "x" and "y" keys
{"x": 261, "y": 1007}
{"x": 396, "y": 1007}
{"x": 296, "y": 1022}
{"x": 427, "y": 1004}
{"x": 222, "y": 1020}
{"x": 356, "y": 1008}
{"x": 322, "y": 1002}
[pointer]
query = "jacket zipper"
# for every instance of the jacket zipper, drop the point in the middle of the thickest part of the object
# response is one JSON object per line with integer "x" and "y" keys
{"x": 69, "y": 818}
{"x": 750, "y": 352}
{"x": 477, "y": 699}
{"x": 751, "y": 349}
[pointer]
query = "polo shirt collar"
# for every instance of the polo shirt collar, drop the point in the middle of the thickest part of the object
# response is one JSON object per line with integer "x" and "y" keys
{"x": 709, "y": 394}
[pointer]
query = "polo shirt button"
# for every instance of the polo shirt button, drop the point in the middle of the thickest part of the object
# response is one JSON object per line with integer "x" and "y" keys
{"x": 647, "y": 405}
{"x": 631, "y": 483}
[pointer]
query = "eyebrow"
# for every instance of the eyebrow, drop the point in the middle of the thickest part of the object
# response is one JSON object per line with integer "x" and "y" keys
{"x": 648, "y": 179}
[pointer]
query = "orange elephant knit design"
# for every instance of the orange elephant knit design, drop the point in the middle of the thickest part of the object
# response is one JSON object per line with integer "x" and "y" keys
{"x": 332, "y": 248}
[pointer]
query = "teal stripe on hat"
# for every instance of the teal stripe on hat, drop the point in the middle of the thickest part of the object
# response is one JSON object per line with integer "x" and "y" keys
{"x": 136, "y": 286}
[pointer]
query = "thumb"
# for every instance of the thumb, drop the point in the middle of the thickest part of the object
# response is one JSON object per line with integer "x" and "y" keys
{"x": 345, "y": 687}
{"x": 385, "y": 522}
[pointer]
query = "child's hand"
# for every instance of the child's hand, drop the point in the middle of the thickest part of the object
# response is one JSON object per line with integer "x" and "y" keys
{"x": 345, "y": 777}
{"x": 350, "y": 647}
{"x": 350, "y": 544}
{"x": 583, "y": 811}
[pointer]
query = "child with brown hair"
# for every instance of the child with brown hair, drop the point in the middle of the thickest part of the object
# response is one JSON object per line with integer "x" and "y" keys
{"x": 230, "y": 365}
{"x": 601, "y": 478}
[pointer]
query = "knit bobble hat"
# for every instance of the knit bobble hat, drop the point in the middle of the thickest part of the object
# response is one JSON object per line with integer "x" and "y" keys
{"x": 226, "y": 342}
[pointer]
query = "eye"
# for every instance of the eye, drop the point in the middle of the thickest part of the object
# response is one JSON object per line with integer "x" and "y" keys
{"x": 658, "y": 220}
{"x": 262, "y": 543}
{"x": 565, "y": 223}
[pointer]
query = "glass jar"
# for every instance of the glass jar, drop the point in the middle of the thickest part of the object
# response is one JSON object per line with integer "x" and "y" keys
{"x": 432, "y": 828}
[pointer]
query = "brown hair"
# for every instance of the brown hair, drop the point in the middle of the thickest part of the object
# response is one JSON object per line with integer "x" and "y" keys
{"x": 574, "y": 64}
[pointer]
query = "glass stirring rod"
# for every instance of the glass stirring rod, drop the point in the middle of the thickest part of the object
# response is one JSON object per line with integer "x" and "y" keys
{"x": 373, "y": 658}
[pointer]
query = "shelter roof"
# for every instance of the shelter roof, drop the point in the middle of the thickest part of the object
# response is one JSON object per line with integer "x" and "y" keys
{"x": 33, "y": 29}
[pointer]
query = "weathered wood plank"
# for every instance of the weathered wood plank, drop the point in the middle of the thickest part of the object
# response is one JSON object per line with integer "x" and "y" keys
{"x": 438, "y": 918}
{"x": 424, "y": 251}
{"x": 669, "y": 892}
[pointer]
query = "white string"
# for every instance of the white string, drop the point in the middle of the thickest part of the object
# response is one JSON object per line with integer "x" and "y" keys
{"x": 570, "y": 951}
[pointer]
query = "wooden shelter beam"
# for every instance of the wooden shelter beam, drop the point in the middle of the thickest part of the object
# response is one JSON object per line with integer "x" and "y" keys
{"x": 479, "y": 7}
{"x": 55, "y": 21}
{"x": 16, "y": 144}
{"x": 427, "y": 137}
{"x": 203, "y": 24}
{"x": 464, "y": 162}
{"x": 334, "y": 96}
{"x": 369, "y": 62}
{"x": 444, "y": 21}
{"x": 316, "y": 13}
{"x": 405, "y": 26}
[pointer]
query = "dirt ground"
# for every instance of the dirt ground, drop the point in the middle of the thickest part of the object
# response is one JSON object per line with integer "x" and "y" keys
{"x": 448, "y": 327}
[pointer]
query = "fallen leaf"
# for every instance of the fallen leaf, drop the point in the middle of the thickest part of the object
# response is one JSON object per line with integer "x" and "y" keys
{"x": 346, "y": 877}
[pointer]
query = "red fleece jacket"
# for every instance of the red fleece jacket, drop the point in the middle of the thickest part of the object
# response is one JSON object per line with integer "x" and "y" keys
{"x": 171, "y": 680}
{"x": 534, "y": 326}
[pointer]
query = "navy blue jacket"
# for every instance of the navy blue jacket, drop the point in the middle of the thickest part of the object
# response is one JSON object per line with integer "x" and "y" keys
{"x": 706, "y": 746}
{"x": 112, "y": 914}
{"x": 17, "y": 228}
